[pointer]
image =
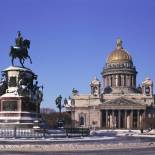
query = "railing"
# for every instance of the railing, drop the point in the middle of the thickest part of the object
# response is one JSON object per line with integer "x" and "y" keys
{"x": 43, "y": 133}
{"x": 70, "y": 132}
{"x": 19, "y": 133}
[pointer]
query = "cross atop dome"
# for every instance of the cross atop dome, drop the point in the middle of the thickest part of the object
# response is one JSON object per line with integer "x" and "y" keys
{"x": 119, "y": 43}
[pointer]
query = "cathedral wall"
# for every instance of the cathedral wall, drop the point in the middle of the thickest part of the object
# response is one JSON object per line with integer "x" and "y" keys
{"x": 92, "y": 117}
{"x": 88, "y": 109}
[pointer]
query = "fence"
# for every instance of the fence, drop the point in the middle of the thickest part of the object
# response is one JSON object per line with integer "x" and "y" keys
{"x": 42, "y": 133}
{"x": 77, "y": 131}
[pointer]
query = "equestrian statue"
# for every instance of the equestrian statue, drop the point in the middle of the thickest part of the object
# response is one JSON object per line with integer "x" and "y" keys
{"x": 20, "y": 50}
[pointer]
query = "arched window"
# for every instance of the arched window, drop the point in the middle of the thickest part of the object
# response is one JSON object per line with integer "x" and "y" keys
{"x": 131, "y": 81}
{"x": 147, "y": 90}
{"x": 111, "y": 81}
{"x": 119, "y": 80}
{"x": 124, "y": 80}
{"x": 81, "y": 120}
{"x": 95, "y": 91}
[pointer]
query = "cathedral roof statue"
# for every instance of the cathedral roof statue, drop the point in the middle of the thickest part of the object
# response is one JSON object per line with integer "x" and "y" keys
{"x": 119, "y": 55}
{"x": 95, "y": 81}
{"x": 147, "y": 81}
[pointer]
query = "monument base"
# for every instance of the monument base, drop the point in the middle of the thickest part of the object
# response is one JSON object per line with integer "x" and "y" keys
{"x": 20, "y": 102}
{"x": 17, "y": 111}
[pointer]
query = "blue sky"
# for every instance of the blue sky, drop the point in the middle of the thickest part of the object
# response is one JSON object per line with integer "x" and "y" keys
{"x": 70, "y": 39}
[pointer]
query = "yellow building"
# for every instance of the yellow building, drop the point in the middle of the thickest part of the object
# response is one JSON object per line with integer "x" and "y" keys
{"x": 121, "y": 104}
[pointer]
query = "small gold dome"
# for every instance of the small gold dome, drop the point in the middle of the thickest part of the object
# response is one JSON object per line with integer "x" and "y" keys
{"x": 119, "y": 54}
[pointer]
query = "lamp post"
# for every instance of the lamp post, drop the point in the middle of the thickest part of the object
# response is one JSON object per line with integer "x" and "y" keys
{"x": 69, "y": 103}
{"x": 94, "y": 122}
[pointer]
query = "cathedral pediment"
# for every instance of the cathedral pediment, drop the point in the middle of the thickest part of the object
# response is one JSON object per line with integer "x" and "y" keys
{"x": 122, "y": 102}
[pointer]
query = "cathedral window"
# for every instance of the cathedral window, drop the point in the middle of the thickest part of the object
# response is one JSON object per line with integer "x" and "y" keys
{"x": 111, "y": 79}
{"x": 147, "y": 91}
{"x": 81, "y": 120}
{"x": 124, "y": 80}
{"x": 119, "y": 80}
{"x": 95, "y": 91}
{"x": 131, "y": 81}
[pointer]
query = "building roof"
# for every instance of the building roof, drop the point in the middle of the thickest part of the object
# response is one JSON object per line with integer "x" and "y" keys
{"x": 119, "y": 54}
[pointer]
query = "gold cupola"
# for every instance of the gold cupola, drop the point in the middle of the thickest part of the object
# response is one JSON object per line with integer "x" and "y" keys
{"x": 119, "y": 55}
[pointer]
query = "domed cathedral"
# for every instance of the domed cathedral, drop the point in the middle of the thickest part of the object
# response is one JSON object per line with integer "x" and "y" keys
{"x": 120, "y": 103}
{"x": 119, "y": 73}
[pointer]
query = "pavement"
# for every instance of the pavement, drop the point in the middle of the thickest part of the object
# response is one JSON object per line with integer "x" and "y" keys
{"x": 104, "y": 152}
{"x": 100, "y": 140}
{"x": 76, "y": 147}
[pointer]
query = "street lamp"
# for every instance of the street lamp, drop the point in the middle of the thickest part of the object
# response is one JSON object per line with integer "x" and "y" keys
{"x": 94, "y": 122}
{"x": 69, "y": 105}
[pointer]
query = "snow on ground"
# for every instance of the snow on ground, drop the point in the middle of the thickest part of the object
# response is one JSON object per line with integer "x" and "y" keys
{"x": 59, "y": 139}
{"x": 115, "y": 132}
{"x": 94, "y": 135}
{"x": 134, "y": 133}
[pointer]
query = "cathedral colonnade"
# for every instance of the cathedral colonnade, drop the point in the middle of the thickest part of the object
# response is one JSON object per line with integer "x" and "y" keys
{"x": 122, "y": 119}
{"x": 120, "y": 80}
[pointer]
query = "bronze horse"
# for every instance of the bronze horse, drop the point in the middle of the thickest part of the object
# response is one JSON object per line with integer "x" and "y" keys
{"x": 21, "y": 52}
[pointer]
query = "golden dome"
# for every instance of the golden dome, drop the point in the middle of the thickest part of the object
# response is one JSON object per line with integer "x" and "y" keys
{"x": 119, "y": 54}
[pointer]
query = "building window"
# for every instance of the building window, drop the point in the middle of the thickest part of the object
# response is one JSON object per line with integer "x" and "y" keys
{"x": 124, "y": 80}
{"x": 82, "y": 120}
{"x": 111, "y": 79}
{"x": 119, "y": 80}
{"x": 147, "y": 91}
{"x": 95, "y": 91}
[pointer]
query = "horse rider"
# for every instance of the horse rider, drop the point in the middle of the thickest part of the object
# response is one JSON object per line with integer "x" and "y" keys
{"x": 19, "y": 40}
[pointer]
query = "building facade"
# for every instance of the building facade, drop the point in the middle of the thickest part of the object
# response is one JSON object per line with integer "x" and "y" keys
{"x": 120, "y": 103}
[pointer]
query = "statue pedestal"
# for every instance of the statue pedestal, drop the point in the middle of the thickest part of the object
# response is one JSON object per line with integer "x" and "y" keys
{"x": 18, "y": 105}
{"x": 16, "y": 111}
